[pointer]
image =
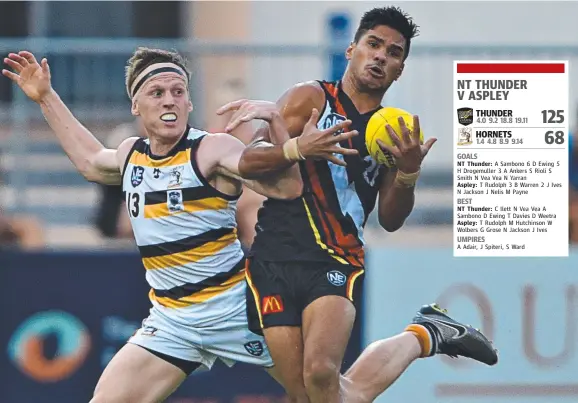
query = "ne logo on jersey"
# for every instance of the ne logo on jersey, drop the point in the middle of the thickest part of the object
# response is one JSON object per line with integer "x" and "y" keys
{"x": 254, "y": 348}
{"x": 331, "y": 120}
{"x": 137, "y": 176}
{"x": 336, "y": 278}
{"x": 148, "y": 331}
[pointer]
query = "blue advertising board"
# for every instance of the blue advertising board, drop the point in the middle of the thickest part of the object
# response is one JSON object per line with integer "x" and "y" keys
{"x": 64, "y": 315}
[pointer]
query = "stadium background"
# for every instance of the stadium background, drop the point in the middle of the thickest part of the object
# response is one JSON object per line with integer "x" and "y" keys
{"x": 72, "y": 296}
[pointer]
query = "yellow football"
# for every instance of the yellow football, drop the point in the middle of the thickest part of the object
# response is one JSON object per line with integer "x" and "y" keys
{"x": 376, "y": 130}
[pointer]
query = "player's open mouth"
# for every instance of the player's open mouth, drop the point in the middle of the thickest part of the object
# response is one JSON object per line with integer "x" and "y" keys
{"x": 376, "y": 71}
{"x": 169, "y": 117}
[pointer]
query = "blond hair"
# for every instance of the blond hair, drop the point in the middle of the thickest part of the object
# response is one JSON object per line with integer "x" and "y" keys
{"x": 144, "y": 57}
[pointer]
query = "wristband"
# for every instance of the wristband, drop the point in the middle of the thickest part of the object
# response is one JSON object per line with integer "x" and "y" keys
{"x": 291, "y": 150}
{"x": 406, "y": 180}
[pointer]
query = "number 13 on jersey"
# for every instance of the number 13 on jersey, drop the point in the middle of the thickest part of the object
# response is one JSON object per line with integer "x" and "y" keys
{"x": 134, "y": 204}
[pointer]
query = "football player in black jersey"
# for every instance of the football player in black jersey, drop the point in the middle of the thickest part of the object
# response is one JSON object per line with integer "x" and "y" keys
{"x": 305, "y": 268}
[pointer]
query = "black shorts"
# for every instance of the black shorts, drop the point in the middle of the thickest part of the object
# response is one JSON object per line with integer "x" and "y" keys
{"x": 278, "y": 292}
{"x": 186, "y": 366}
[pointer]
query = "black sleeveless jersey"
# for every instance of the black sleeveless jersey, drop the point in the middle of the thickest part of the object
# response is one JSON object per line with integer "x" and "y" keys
{"x": 326, "y": 223}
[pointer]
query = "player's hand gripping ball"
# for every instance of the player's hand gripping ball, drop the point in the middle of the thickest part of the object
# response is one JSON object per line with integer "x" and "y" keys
{"x": 376, "y": 131}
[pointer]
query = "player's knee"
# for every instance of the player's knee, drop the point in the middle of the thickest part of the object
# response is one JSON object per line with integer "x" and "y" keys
{"x": 321, "y": 374}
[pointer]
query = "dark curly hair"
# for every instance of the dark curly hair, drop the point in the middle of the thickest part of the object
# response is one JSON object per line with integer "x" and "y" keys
{"x": 392, "y": 17}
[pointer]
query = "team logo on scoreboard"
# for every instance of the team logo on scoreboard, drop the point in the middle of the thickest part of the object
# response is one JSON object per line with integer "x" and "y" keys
{"x": 465, "y": 116}
{"x": 464, "y": 136}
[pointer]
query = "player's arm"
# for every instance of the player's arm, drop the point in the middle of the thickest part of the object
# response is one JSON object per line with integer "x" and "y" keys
{"x": 261, "y": 159}
{"x": 223, "y": 156}
{"x": 95, "y": 162}
{"x": 299, "y": 110}
{"x": 396, "y": 201}
{"x": 295, "y": 107}
{"x": 396, "y": 190}
{"x": 88, "y": 155}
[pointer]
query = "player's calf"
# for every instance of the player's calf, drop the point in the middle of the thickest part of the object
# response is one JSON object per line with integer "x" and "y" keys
{"x": 351, "y": 393}
{"x": 378, "y": 367}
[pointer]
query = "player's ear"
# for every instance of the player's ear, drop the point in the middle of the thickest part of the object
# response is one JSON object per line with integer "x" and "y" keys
{"x": 399, "y": 72}
{"x": 190, "y": 106}
{"x": 349, "y": 50}
{"x": 134, "y": 108}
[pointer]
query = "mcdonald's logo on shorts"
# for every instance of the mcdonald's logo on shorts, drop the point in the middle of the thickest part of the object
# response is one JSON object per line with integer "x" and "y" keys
{"x": 272, "y": 304}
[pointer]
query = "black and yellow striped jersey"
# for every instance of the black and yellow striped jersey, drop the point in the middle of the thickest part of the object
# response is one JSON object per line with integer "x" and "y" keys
{"x": 185, "y": 230}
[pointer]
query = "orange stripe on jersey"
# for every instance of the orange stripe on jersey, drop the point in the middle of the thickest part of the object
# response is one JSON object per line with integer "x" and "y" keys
{"x": 255, "y": 293}
{"x": 201, "y": 296}
{"x": 317, "y": 235}
{"x": 195, "y": 254}
{"x": 162, "y": 209}
{"x": 180, "y": 158}
{"x": 326, "y": 228}
{"x": 351, "y": 283}
{"x": 331, "y": 88}
{"x": 355, "y": 252}
{"x": 316, "y": 184}
{"x": 334, "y": 91}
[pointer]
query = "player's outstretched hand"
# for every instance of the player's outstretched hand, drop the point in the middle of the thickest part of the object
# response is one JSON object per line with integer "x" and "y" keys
{"x": 315, "y": 143}
{"x": 246, "y": 110}
{"x": 31, "y": 77}
{"x": 407, "y": 150}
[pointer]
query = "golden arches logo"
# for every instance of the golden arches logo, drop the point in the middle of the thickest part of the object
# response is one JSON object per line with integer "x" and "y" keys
{"x": 272, "y": 304}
